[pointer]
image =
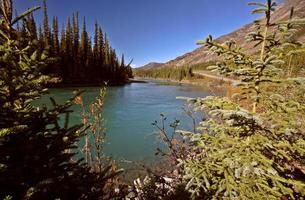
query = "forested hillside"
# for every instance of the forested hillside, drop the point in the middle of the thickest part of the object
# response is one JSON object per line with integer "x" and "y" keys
{"x": 79, "y": 57}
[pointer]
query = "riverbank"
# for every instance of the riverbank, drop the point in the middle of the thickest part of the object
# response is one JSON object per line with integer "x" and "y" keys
{"x": 88, "y": 84}
{"x": 215, "y": 86}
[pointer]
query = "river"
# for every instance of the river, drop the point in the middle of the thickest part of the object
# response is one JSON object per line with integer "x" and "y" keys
{"x": 129, "y": 112}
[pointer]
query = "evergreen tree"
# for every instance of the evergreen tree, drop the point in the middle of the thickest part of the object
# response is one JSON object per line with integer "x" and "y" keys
{"x": 46, "y": 29}
{"x": 75, "y": 55}
{"x": 101, "y": 46}
{"x": 63, "y": 53}
{"x": 107, "y": 50}
{"x": 251, "y": 146}
{"x": 95, "y": 47}
{"x": 78, "y": 60}
{"x": 84, "y": 48}
{"x": 63, "y": 45}
{"x": 40, "y": 38}
{"x": 37, "y": 153}
{"x": 55, "y": 42}
{"x": 90, "y": 58}
{"x": 69, "y": 48}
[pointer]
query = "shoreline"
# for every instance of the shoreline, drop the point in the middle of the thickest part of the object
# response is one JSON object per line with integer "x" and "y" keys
{"x": 197, "y": 82}
{"x": 215, "y": 86}
{"x": 72, "y": 85}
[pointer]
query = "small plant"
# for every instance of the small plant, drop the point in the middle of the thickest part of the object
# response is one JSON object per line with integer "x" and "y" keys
{"x": 95, "y": 135}
{"x": 176, "y": 147}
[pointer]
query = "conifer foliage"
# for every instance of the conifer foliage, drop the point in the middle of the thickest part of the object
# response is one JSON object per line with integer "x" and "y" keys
{"x": 170, "y": 73}
{"x": 252, "y": 145}
{"x": 37, "y": 153}
{"x": 79, "y": 60}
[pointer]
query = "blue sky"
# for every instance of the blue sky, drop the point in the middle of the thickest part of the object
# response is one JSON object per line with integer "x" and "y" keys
{"x": 152, "y": 30}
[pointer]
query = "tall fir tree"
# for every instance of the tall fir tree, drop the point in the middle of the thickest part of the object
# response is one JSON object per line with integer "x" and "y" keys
{"x": 63, "y": 53}
{"x": 83, "y": 49}
{"x": 69, "y": 48}
{"x": 55, "y": 37}
{"x": 101, "y": 45}
{"x": 95, "y": 47}
{"x": 75, "y": 41}
{"x": 46, "y": 29}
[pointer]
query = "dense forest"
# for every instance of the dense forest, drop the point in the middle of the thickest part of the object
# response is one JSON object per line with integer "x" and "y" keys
{"x": 165, "y": 73}
{"x": 77, "y": 58}
{"x": 171, "y": 72}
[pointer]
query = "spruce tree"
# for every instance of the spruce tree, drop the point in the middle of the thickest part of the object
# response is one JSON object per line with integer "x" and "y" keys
{"x": 95, "y": 46}
{"x": 252, "y": 145}
{"x": 107, "y": 50}
{"x": 38, "y": 155}
{"x": 75, "y": 62}
{"x": 55, "y": 38}
{"x": 75, "y": 54}
{"x": 84, "y": 48}
{"x": 90, "y": 59}
{"x": 69, "y": 49}
{"x": 63, "y": 53}
{"x": 46, "y": 29}
{"x": 63, "y": 39}
{"x": 101, "y": 46}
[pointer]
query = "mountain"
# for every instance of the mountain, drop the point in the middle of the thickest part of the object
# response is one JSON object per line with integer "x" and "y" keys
{"x": 152, "y": 65}
{"x": 200, "y": 55}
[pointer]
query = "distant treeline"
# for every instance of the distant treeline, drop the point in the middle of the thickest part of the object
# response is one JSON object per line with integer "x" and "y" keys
{"x": 171, "y": 72}
{"x": 295, "y": 66}
{"x": 79, "y": 59}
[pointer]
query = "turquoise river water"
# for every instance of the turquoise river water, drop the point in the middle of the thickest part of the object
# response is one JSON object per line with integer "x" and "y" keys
{"x": 129, "y": 111}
